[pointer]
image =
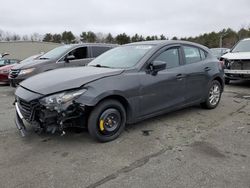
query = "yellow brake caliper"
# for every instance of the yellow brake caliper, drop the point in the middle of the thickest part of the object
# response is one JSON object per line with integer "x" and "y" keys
{"x": 101, "y": 125}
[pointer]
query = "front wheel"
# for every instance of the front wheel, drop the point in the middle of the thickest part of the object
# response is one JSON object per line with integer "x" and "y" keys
{"x": 213, "y": 96}
{"x": 107, "y": 120}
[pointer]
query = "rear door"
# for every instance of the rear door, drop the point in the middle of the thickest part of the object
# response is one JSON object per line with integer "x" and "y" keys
{"x": 197, "y": 68}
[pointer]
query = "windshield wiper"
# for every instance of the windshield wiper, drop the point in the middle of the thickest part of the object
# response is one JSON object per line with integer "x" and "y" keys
{"x": 43, "y": 58}
{"x": 102, "y": 66}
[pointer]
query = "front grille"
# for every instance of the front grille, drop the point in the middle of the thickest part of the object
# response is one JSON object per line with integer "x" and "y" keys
{"x": 240, "y": 65}
{"x": 14, "y": 73}
{"x": 27, "y": 108}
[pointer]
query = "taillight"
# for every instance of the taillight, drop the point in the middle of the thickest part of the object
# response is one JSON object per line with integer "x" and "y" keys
{"x": 222, "y": 64}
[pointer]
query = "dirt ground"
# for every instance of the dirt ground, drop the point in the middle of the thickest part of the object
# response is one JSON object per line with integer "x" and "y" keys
{"x": 188, "y": 148}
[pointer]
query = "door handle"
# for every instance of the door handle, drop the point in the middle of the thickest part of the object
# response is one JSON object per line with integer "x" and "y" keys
{"x": 207, "y": 69}
{"x": 180, "y": 76}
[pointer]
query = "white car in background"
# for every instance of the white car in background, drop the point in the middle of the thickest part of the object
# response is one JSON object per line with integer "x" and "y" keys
{"x": 237, "y": 62}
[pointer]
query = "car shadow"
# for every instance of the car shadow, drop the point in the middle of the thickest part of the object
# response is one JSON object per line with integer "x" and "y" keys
{"x": 240, "y": 83}
{"x": 162, "y": 118}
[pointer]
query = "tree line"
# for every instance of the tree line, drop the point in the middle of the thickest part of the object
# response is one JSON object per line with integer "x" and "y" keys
{"x": 91, "y": 37}
{"x": 228, "y": 37}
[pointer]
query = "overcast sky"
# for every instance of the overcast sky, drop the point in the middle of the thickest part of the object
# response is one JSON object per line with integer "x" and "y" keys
{"x": 180, "y": 18}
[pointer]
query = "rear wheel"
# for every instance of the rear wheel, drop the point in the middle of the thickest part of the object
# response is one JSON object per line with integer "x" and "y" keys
{"x": 107, "y": 120}
{"x": 213, "y": 96}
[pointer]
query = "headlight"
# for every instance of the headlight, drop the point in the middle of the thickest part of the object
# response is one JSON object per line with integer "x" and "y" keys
{"x": 26, "y": 71}
{"x": 58, "y": 100}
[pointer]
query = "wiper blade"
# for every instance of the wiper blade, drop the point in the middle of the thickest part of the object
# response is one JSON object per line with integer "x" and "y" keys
{"x": 43, "y": 58}
{"x": 102, "y": 66}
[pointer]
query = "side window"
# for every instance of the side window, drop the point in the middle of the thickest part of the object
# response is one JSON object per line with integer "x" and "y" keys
{"x": 203, "y": 54}
{"x": 171, "y": 57}
{"x": 192, "y": 54}
{"x": 79, "y": 53}
{"x": 97, "y": 50}
{"x": 12, "y": 61}
{"x": 7, "y": 62}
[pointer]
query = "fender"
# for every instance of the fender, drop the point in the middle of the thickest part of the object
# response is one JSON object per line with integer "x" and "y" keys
{"x": 131, "y": 104}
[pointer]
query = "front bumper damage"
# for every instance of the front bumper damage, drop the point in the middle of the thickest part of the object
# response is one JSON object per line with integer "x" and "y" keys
{"x": 237, "y": 74}
{"x": 46, "y": 120}
{"x": 237, "y": 69}
{"x": 19, "y": 121}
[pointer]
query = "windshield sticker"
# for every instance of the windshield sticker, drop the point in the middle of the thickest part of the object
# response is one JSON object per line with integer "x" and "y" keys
{"x": 143, "y": 47}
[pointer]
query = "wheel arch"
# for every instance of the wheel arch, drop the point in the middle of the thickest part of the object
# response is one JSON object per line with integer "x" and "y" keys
{"x": 220, "y": 80}
{"x": 120, "y": 99}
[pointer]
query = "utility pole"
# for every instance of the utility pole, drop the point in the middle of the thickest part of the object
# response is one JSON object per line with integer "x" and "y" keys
{"x": 221, "y": 38}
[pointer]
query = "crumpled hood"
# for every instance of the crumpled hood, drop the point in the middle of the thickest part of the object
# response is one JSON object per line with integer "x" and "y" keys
{"x": 237, "y": 56}
{"x": 66, "y": 78}
{"x": 30, "y": 63}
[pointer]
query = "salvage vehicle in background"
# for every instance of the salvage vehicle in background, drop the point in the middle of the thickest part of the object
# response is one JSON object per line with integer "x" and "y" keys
{"x": 5, "y": 66}
{"x": 4, "y": 71}
{"x": 124, "y": 85}
{"x": 60, "y": 57}
{"x": 237, "y": 62}
{"x": 218, "y": 52}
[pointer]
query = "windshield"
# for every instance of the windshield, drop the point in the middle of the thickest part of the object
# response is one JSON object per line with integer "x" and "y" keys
{"x": 242, "y": 46}
{"x": 56, "y": 52}
{"x": 121, "y": 57}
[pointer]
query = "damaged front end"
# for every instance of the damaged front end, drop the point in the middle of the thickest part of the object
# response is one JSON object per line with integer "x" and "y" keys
{"x": 237, "y": 69}
{"x": 52, "y": 113}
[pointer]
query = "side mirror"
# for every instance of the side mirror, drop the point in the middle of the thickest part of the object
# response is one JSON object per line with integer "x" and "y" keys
{"x": 69, "y": 58}
{"x": 157, "y": 66}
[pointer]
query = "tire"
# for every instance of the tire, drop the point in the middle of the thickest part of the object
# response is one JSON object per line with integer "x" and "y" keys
{"x": 227, "y": 81}
{"x": 107, "y": 120}
{"x": 213, "y": 95}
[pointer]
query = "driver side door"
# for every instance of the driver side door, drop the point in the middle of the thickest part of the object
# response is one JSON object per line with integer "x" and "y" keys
{"x": 80, "y": 57}
{"x": 166, "y": 89}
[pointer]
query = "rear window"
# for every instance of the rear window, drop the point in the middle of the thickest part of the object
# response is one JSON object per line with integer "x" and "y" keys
{"x": 203, "y": 54}
{"x": 98, "y": 50}
{"x": 193, "y": 54}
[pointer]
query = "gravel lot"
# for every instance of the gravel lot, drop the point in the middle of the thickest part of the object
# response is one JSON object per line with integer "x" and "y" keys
{"x": 188, "y": 148}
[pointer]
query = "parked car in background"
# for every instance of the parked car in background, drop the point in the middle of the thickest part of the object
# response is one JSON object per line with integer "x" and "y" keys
{"x": 237, "y": 62}
{"x": 4, "y": 71}
{"x": 60, "y": 57}
{"x": 4, "y": 62}
{"x": 218, "y": 52}
{"x": 5, "y": 66}
{"x": 124, "y": 85}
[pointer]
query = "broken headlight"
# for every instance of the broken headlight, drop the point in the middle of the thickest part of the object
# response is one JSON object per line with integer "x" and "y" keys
{"x": 59, "y": 100}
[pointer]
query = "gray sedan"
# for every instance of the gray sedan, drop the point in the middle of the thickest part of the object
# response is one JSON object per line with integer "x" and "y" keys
{"x": 124, "y": 85}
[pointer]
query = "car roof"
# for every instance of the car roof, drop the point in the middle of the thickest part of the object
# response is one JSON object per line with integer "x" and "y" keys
{"x": 92, "y": 44}
{"x": 167, "y": 42}
{"x": 219, "y": 48}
